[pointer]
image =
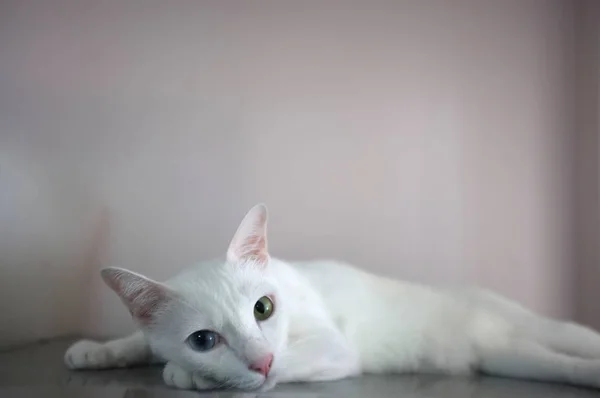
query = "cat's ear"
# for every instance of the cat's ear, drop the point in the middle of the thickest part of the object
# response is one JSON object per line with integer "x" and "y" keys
{"x": 250, "y": 240}
{"x": 143, "y": 297}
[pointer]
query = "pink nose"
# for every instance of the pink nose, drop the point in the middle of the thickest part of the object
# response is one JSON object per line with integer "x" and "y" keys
{"x": 262, "y": 366}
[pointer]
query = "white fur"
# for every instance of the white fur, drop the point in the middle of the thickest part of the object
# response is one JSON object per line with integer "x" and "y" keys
{"x": 331, "y": 321}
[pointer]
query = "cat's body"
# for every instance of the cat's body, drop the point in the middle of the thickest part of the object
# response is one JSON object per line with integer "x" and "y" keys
{"x": 330, "y": 321}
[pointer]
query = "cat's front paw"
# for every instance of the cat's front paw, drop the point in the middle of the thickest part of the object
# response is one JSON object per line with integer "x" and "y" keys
{"x": 176, "y": 377}
{"x": 87, "y": 354}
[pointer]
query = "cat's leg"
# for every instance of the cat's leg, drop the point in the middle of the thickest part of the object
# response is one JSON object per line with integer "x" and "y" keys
{"x": 322, "y": 354}
{"x": 176, "y": 377}
{"x": 526, "y": 359}
{"x": 568, "y": 338}
{"x": 128, "y": 351}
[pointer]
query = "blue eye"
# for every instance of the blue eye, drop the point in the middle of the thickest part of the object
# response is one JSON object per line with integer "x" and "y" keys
{"x": 203, "y": 340}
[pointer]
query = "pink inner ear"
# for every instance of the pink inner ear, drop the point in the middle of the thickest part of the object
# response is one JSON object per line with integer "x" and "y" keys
{"x": 144, "y": 303}
{"x": 250, "y": 241}
{"x": 254, "y": 247}
{"x": 142, "y": 298}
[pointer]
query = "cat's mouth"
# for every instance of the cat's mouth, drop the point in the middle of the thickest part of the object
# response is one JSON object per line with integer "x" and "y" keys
{"x": 264, "y": 384}
{"x": 267, "y": 384}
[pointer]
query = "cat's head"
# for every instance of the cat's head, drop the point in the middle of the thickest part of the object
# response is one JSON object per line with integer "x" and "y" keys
{"x": 223, "y": 319}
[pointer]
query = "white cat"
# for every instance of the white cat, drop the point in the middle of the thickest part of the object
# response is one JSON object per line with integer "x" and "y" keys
{"x": 250, "y": 321}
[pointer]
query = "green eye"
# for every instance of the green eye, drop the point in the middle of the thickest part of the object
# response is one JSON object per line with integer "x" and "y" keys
{"x": 263, "y": 309}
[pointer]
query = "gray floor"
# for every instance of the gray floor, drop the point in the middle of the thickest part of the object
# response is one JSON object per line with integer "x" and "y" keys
{"x": 37, "y": 370}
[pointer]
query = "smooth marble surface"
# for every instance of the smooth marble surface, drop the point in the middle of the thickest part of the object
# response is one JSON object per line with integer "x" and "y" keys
{"x": 37, "y": 370}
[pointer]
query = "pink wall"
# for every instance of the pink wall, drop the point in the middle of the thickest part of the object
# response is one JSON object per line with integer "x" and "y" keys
{"x": 417, "y": 139}
{"x": 587, "y": 162}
